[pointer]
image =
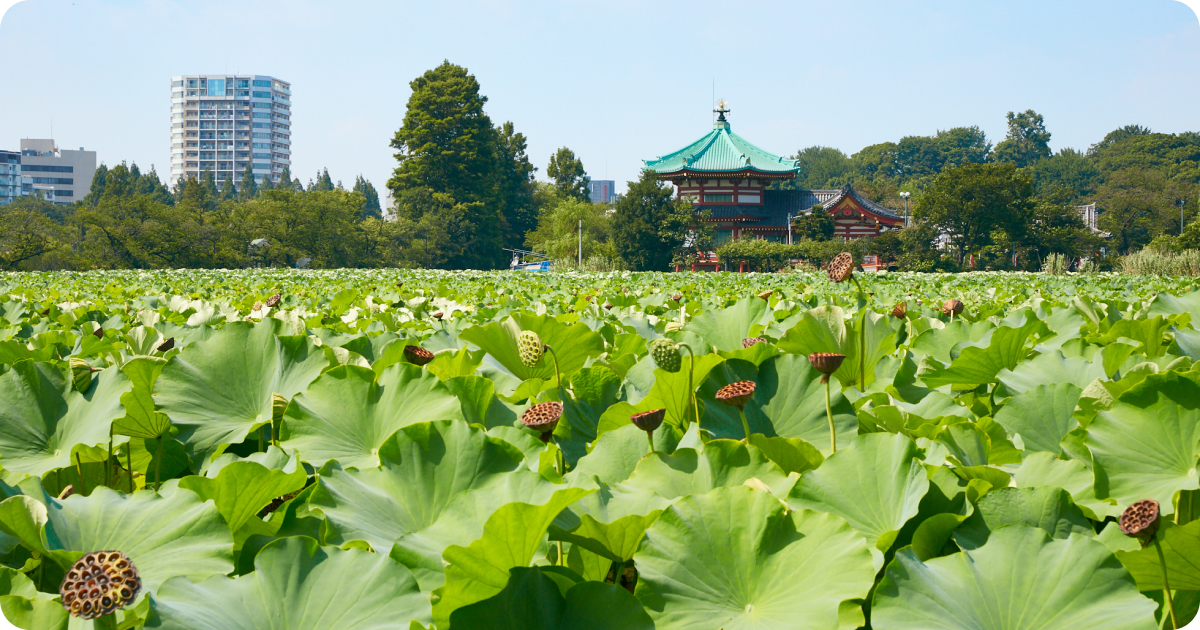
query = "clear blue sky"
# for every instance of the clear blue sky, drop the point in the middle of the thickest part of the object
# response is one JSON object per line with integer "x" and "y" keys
{"x": 615, "y": 81}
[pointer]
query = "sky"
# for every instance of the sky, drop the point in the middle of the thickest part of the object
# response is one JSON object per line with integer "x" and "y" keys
{"x": 617, "y": 81}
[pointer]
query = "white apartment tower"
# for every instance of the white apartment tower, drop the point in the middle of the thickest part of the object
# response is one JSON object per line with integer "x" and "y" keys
{"x": 221, "y": 122}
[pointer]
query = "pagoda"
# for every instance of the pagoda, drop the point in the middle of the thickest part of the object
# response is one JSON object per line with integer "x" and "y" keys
{"x": 728, "y": 176}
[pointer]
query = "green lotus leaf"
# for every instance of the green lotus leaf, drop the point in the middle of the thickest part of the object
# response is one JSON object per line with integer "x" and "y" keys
{"x": 141, "y": 419}
{"x": 532, "y": 599}
{"x": 614, "y": 457}
{"x": 297, "y": 585}
{"x": 422, "y": 467}
{"x": 346, "y": 415}
{"x": 875, "y": 483}
{"x": 42, "y": 418}
{"x": 219, "y": 390}
{"x": 735, "y": 558}
{"x": 725, "y": 329}
{"x": 164, "y": 535}
{"x": 793, "y": 455}
{"x": 1147, "y": 445}
{"x": 977, "y": 363}
{"x": 1020, "y": 579}
{"x": 1041, "y": 416}
{"x": 789, "y": 402}
{"x": 1181, "y": 549}
{"x": 941, "y": 340}
{"x": 594, "y": 389}
{"x": 1043, "y": 470}
{"x": 464, "y": 519}
{"x": 1052, "y": 367}
{"x": 672, "y": 387}
{"x": 1051, "y": 509}
{"x": 825, "y": 329}
{"x": 573, "y": 345}
{"x": 241, "y": 489}
{"x": 480, "y": 405}
{"x": 26, "y": 608}
{"x": 1167, "y": 304}
{"x": 510, "y": 539}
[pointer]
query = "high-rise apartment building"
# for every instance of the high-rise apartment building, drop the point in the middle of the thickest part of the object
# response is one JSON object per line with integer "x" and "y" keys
{"x": 60, "y": 175}
{"x": 602, "y": 190}
{"x": 221, "y": 122}
{"x": 10, "y": 176}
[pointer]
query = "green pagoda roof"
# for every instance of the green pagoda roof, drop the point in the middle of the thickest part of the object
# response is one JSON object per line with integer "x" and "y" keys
{"x": 723, "y": 152}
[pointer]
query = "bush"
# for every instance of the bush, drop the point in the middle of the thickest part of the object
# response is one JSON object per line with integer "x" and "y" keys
{"x": 1056, "y": 264}
{"x": 1154, "y": 262}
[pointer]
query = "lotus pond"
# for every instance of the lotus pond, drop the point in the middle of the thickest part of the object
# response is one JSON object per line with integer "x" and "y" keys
{"x": 351, "y": 450}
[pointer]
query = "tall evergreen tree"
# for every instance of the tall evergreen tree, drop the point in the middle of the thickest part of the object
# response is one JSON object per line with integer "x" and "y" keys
{"x": 370, "y": 198}
{"x": 1027, "y": 140}
{"x": 249, "y": 189}
{"x": 267, "y": 184}
{"x": 447, "y": 142}
{"x": 228, "y": 192}
{"x": 570, "y": 180}
{"x": 515, "y": 185}
{"x": 209, "y": 181}
{"x": 323, "y": 182}
{"x": 99, "y": 179}
{"x": 648, "y": 225}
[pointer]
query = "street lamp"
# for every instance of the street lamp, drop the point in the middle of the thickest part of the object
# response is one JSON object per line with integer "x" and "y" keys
{"x": 906, "y": 195}
{"x": 790, "y": 216}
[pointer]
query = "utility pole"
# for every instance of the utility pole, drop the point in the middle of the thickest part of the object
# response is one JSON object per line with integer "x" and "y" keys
{"x": 581, "y": 243}
{"x": 789, "y": 220}
{"x": 1181, "y": 217}
{"x": 906, "y": 195}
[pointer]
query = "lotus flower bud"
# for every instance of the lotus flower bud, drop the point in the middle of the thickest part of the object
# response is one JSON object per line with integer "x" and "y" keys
{"x": 737, "y": 394}
{"x": 100, "y": 583}
{"x": 648, "y": 421}
{"x": 417, "y": 355}
{"x": 900, "y": 311}
{"x": 841, "y": 267}
{"x": 952, "y": 306}
{"x": 81, "y": 374}
{"x": 746, "y": 343}
{"x": 543, "y": 418}
{"x": 674, "y": 327}
{"x": 279, "y": 404}
{"x": 666, "y": 354}
{"x": 530, "y": 347}
{"x": 1141, "y": 520}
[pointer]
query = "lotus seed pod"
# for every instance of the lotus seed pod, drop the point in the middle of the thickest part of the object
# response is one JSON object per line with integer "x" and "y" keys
{"x": 543, "y": 418}
{"x": 273, "y": 301}
{"x": 438, "y": 315}
{"x": 677, "y": 297}
{"x": 900, "y": 311}
{"x": 953, "y": 306}
{"x": 279, "y": 404}
{"x": 737, "y": 394}
{"x": 99, "y": 332}
{"x": 674, "y": 327}
{"x": 648, "y": 421}
{"x": 81, "y": 374}
{"x": 841, "y": 267}
{"x": 1140, "y": 520}
{"x": 417, "y": 355}
{"x": 100, "y": 583}
{"x": 530, "y": 347}
{"x": 751, "y": 341}
{"x": 766, "y": 295}
{"x": 258, "y": 305}
{"x": 166, "y": 345}
{"x": 826, "y": 363}
{"x": 665, "y": 354}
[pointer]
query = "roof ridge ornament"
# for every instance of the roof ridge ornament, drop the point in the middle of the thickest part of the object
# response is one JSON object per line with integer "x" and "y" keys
{"x": 721, "y": 110}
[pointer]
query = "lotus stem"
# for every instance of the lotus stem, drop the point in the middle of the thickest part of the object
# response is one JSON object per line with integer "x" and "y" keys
{"x": 557, "y": 375}
{"x": 862, "y": 339}
{"x": 106, "y": 622}
{"x": 829, "y": 414}
{"x": 108, "y": 462}
{"x": 158, "y": 465}
{"x": 745, "y": 424}
{"x": 1162, "y": 562}
{"x": 129, "y": 464}
{"x": 650, "y": 439}
{"x": 691, "y": 388}
{"x": 79, "y": 471}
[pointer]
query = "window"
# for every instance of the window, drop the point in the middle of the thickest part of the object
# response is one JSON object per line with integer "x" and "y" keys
{"x": 262, "y": 95}
{"x": 262, "y": 126}
{"x": 262, "y": 105}
{"x": 216, "y": 87}
{"x": 242, "y": 83}
{"x": 263, "y": 135}
{"x": 266, "y": 84}
{"x": 177, "y": 84}
{"x": 262, "y": 145}
{"x": 262, "y": 156}
{"x": 191, "y": 83}
{"x": 47, "y": 169}
{"x": 64, "y": 193}
{"x": 718, "y": 198}
{"x": 62, "y": 181}
{"x": 262, "y": 115}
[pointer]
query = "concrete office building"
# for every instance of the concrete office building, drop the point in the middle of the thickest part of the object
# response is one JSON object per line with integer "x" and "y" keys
{"x": 10, "y": 176}
{"x": 60, "y": 175}
{"x": 221, "y": 122}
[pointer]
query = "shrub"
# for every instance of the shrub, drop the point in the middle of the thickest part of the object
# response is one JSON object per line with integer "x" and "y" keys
{"x": 1154, "y": 262}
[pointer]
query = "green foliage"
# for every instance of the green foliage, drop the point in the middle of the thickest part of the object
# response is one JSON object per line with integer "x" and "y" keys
{"x": 969, "y": 202}
{"x": 648, "y": 225}
{"x": 566, "y": 171}
{"x": 1027, "y": 140}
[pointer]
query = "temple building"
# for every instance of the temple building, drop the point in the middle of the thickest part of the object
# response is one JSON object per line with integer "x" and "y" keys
{"x": 728, "y": 176}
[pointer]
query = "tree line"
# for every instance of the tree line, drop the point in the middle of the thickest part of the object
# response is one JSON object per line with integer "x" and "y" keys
{"x": 464, "y": 190}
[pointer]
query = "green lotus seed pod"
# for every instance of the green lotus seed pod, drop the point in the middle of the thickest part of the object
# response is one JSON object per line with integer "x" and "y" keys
{"x": 666, "y": 354}
{"x": 81, "y": 372}
{"x": 531, "y": 348}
